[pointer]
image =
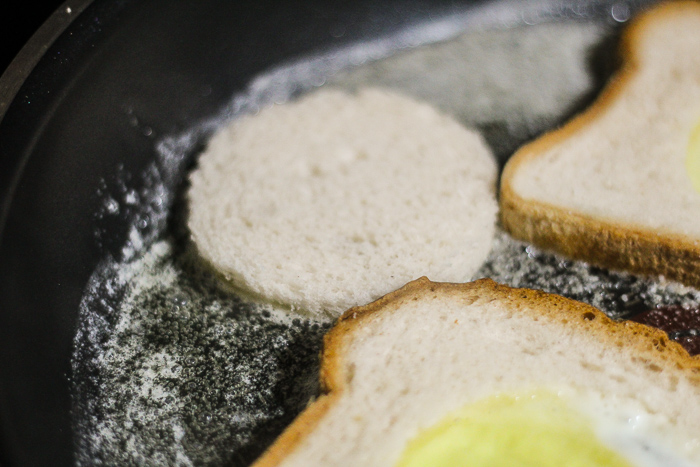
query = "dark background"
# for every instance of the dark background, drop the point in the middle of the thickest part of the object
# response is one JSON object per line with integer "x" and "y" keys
{"x": 19, "y": 21}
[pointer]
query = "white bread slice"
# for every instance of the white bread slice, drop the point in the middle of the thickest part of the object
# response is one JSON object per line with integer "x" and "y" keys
{"x": 611, "y": 186}
{"x": 336, "y": 199}
{"x": 400, "y": 364}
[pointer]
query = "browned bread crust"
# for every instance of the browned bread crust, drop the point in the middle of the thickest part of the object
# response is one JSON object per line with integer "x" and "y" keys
{"x": 579, "y": 236}
{"x": 645, "y": 344}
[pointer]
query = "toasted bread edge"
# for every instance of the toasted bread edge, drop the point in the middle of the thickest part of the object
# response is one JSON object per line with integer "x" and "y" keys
{"x": 606, "y": 243}
{"x": 651, "y": 345}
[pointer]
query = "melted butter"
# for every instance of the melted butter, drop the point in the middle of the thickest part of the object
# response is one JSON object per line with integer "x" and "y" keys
{"x": 537, "y": 429}
{"x": 692, "y": 161}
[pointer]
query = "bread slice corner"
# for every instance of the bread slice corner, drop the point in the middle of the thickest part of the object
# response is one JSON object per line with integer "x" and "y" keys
{"x": 467, "y": 341}
{"x": 654, "y": 230}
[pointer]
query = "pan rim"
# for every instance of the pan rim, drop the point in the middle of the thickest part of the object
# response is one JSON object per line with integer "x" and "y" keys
{"x": 38, "y": 44}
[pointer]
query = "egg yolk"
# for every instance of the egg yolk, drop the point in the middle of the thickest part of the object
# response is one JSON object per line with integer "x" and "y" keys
{"x": 537, "y": 429}
{"x": 692, "y": 161}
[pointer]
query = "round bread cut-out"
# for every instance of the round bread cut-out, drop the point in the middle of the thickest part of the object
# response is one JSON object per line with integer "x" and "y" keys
{"x": 335, "y": 199}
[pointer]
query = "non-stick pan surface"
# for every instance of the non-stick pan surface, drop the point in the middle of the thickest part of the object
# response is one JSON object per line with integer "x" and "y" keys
{"x": 69, "y": 128}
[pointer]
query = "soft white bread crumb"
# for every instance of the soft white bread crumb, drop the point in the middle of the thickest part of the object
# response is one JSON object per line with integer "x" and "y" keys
{"x": 399, "y": 365}
{"x": 612, "y": 186}
{"x": 336, "y": 199}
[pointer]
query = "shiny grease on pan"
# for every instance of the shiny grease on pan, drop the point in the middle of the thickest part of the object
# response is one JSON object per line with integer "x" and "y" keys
{"x": 172, "y": 368}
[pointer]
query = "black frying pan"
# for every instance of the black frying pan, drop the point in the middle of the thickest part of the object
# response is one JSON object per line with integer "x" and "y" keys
{"x": 65, "y": 130}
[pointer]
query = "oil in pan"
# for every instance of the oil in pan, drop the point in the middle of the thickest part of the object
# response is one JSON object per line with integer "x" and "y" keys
{"x": 173, "y": 368}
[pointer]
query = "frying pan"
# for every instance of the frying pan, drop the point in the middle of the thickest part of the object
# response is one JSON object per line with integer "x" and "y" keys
{"x": 67, "y": 128}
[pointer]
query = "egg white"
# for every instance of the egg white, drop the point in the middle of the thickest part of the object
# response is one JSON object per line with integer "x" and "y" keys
{"x": 645, "y": 439}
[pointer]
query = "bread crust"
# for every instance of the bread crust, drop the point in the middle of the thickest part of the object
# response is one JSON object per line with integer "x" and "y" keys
{"x": 649, "y": 345}
{"x": 611, "y": 244}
